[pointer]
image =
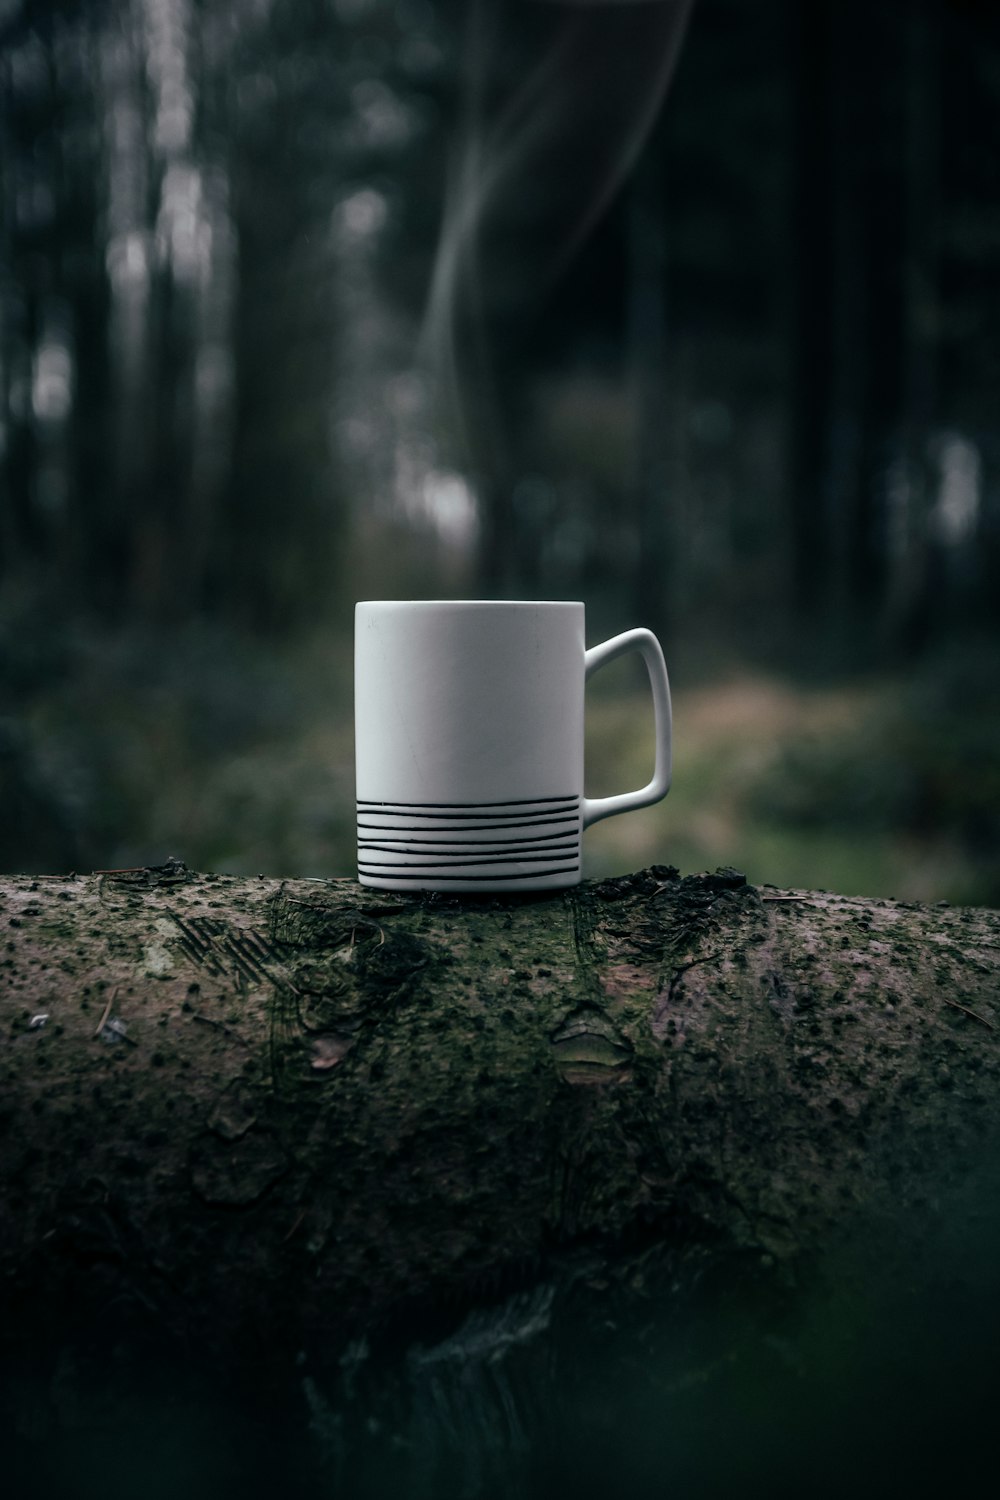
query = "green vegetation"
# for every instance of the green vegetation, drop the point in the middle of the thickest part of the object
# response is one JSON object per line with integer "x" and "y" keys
{"x": 240, "y": 759}
{"x": 876, "y": 787}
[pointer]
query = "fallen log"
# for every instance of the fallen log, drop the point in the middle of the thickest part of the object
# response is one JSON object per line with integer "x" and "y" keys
{"x": 258, "y": 1112}
{"x": 249, "y": 1128}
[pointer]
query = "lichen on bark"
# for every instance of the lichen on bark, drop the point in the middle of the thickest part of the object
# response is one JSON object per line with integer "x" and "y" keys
{"x": 260, "y": 1112}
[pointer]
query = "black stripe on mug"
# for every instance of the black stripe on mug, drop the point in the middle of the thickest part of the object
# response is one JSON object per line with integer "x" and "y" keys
{"x": 422, "y": 862}
{"x": 449, "y": 841}
{"x": 513, "y": 802}
{"x": 397, "y": 874}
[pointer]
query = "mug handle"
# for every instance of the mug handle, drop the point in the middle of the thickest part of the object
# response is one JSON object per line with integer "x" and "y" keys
{"x": 645, "y": 642}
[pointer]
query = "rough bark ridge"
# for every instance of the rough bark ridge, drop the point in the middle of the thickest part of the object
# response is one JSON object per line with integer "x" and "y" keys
{"x": 256, "y": 1112}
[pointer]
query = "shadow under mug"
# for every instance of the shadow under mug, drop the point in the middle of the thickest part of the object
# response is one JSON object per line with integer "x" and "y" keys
{"x": 469, "y": 731}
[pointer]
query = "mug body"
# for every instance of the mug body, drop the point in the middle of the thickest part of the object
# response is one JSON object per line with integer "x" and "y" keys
{"x": 469, "y": 741}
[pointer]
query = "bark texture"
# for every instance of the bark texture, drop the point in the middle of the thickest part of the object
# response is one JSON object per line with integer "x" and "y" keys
{"x": 257, "y": 1113}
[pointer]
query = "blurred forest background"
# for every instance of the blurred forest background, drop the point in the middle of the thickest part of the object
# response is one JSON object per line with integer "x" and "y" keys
{"x": 690, "y": 312}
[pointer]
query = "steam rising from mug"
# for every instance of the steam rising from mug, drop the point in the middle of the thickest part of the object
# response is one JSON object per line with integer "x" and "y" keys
{"x": 532, "y": 177}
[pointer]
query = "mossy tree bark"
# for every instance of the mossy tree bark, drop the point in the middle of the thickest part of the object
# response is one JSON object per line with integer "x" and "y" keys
{"x": 255, "y": 1113}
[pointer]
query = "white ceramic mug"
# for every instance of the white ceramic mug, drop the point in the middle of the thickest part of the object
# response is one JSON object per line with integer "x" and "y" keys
{"x": 469, "y": 737}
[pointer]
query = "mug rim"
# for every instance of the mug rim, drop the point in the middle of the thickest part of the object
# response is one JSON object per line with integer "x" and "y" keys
{"x": 478, "y": 603}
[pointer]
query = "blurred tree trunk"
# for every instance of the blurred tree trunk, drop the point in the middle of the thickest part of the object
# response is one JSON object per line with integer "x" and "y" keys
{"x": 161, "y": 582}
{"x": 912, "y": 582}
{"x": 815, "y": 78}
{"x": 22, "y": 538}
{"x": 23, "y": 102}
{"x": 653, "y": 400}
{"x": 87, "y": 562}
{"x": 279, "y": 491}
{"x": 894, "y": 133}
{"x": 252, "y": 1114}
{"x": 864, "y": 321}
{"x": 280, "y": 488}
{"x": 878, "y": 142}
